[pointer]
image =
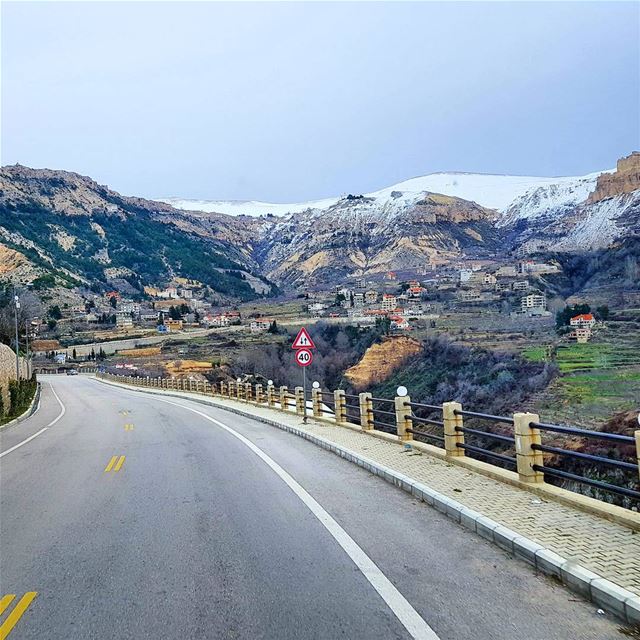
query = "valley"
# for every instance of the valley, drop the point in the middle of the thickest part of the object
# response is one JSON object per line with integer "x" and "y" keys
{"x": 458, "y": 286}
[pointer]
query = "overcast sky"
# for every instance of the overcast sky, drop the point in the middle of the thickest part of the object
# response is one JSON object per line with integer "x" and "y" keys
{"x": 294, "y": 101}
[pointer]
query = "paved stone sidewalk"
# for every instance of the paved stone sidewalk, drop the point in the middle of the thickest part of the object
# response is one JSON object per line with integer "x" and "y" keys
{"x": 606, "y": 548}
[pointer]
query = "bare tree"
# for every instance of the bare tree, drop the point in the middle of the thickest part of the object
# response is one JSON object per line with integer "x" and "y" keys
{"x": 30, "y": 309}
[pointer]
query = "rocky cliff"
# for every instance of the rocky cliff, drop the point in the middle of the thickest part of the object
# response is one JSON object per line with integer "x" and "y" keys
{"x": 624, "y": 180}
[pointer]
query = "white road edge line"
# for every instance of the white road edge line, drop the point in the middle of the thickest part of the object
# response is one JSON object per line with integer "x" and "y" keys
{"x": 62, "y": 407}
{"x": 37, "y": 433}
{"x": 399, "y": 605}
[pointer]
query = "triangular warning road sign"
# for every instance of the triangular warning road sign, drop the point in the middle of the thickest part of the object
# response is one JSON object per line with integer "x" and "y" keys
{"x": 303, "y": 340}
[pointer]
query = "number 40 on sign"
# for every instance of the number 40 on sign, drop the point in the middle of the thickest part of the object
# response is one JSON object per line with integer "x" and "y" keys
{"x": 304, "y": 357}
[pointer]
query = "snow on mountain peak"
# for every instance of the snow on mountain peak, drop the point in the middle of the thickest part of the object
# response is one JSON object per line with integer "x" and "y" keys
{"x": 513, "y": 196}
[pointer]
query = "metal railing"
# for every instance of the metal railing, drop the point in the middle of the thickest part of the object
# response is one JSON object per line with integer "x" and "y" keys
{"x": 443, "y": 426}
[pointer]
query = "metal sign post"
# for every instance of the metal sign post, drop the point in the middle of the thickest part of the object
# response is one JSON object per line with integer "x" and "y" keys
{"x": 304, "y": 357}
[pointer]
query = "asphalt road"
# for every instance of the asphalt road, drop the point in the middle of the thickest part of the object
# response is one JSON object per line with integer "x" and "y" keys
{"x": 204, "y": 534}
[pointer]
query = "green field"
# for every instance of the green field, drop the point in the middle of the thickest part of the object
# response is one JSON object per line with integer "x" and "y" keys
{"x": 586, "y": 357}
{"x": 591, "y": 397}
{"x": 575, "y": 357}
{"x": 597, "y": 379}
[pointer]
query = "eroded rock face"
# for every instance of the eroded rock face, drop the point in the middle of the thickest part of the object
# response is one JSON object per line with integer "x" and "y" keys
{"x": 381, "y": 360}
{"x": 625, "y": 179}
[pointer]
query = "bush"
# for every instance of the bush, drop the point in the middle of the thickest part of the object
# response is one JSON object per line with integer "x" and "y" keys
{"x": 21, "y": 394}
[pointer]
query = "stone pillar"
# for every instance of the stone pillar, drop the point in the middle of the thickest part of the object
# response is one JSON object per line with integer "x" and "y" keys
{"x": 259, "y": 398}
{"x": 316, "y": 401}
{"x": 366, "y": 411}
{"x": 283, "y": 398}
{"x": 247, "y": 391}
{"x": 451, "y": 436}
{"x": 637, "y": 435}
{"x": 340, "y": 406}
{"x": 223, "y": 388}
{"x": 403, "y": 417}
{"x": 526, "y": 455}
{"x": 300, "y": 400}
{"x": 271, "y": 396}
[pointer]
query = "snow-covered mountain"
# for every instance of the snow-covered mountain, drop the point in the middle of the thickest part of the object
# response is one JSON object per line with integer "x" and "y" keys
{"x": 499, "y": 192}
{"x": 437, "y": 218}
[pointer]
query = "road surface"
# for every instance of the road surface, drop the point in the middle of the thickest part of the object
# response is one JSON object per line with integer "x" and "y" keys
{"x": 138, "y": 517}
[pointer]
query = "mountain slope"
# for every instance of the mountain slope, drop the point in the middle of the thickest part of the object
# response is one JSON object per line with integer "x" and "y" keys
{"x": 68, "y": 224}
{"x": 356, "y": 236}
{"x": 499, "y": 192}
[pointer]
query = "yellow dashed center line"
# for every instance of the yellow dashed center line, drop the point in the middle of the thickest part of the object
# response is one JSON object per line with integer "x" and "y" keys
{"x": 6, "y": 601}
{"x": 16, "y": 614}
{"x": 119, "y": 464}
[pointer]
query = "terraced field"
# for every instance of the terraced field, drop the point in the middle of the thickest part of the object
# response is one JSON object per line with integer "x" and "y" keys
{"x": 597, "y": 379}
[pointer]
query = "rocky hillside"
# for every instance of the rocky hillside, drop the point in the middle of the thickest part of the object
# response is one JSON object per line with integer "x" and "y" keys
{"x": 381, "y": 360}
{"x": 355, "y": 237}
{"x": 592, "y": 213}
{"x": 86, "y": 232}
{"x": 82, "y": 233}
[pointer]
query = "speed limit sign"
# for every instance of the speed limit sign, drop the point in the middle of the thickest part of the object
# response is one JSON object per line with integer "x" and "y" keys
{"x": 304, "y": 357}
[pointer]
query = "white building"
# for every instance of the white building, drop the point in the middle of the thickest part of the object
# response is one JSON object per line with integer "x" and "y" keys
{"x": 260, "y": 324}
{"x": 389, "y": 302}
{"x": 585, "y": 320}
{"x": 124, "y": 319}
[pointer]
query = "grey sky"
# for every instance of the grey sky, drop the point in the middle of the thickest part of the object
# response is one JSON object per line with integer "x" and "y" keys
{"x": 295, "y": 101}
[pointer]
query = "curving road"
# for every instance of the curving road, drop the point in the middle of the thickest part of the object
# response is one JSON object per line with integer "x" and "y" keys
{"x": 210, "y": 525}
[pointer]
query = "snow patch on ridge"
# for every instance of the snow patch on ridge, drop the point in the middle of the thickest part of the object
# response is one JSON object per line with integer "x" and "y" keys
{"x": 513, "y": 196}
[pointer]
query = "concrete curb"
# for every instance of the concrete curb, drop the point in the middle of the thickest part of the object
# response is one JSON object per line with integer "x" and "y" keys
{"x": 603, "y": 592}
{"x": 29, "y": 412}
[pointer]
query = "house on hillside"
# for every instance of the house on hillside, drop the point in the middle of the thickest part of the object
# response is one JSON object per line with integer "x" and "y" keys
{"x": 585, "y": 320}
{"x": 581, "y": 334}
{"x": 173, "y": 325}
{"x": 260, "y": 324}
{"x": 221, "y": 320}
{"x": 123, "y": 319}
{"x": 389, "y": 302}
{"x": 371, "y": 297}
{"x": 534, "y": 304}
{"x": 398, "y": 322}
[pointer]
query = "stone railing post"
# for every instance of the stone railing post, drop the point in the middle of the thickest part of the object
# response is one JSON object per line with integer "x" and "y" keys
{"x": 259, "y": 398}
{"x": 340, "y": 403}
{"x": 223, "y": 388}
{"x": 247, "y": 391}
{"x": 300, "y": 400}
{"x": 271, "y": 395}
{"x": 526, "y": 455}
{"x": 403, "y": 417}
{"x": 284, "y": 401}
{"x": 239, "y": 391}
{"x": 366, "y": 411}
{"x": 231, "y": 389}
{"x": 452, "y": 422}
{"x": 316, "y": 401}
{"x": 637, "y": 435}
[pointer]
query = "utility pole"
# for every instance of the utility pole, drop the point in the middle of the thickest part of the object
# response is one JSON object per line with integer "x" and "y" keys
{"x": 16, "y": 301}
{"x": 26, "y": 337}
